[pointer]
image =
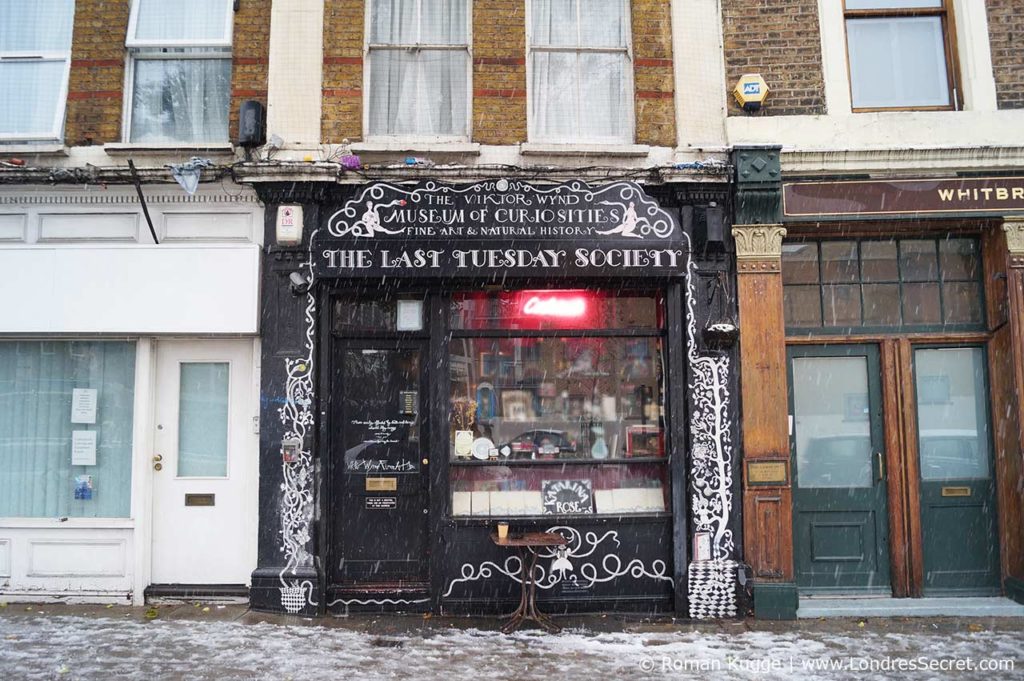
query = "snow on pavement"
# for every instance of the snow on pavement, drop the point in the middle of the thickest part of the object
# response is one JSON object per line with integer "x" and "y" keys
{"x": 73, "y": 647}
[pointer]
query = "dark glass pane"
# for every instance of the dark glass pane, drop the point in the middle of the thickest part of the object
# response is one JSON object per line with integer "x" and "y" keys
{"x": 921, "y": 304}
{"x": 878, "y": 261}
{"x": 802, "y": 305}
{"x": 800, "y": 263}
{"x": 918, "y": 261}
{"x": 959, "y": 259}
{"x": 882, "y": 304}
{"x": 556, "y": 309}
{"x": 963, "y": 302}
{"x": 839, "y": 261}
{"x": 842, "y": 305}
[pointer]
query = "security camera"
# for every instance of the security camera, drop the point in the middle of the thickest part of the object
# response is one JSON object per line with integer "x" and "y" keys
{"x": 299, "y": 283}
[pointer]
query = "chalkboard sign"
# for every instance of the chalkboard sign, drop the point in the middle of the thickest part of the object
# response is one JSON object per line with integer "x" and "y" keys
{"x": 563, "y": 497}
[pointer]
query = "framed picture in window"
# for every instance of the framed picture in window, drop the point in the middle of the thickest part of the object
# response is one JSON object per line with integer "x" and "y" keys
{"x": 516, "y": 405}
{"x": 643, "y": 441}
{"x": 488, "y": 365}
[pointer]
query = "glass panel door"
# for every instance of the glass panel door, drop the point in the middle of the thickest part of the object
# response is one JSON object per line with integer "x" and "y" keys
{"x": 958, "y": 519}
{"x": 839, "y": 499}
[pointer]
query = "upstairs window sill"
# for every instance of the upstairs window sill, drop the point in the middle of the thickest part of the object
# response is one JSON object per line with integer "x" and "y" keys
{"x": 607, "y": 150}
{"x": 127, "y": 148}
{"x": 35, "y": 148}
{"x": 398, "y": 146}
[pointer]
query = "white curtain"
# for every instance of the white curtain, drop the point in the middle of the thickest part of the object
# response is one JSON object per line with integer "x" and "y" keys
{"x": 575, "y": 95}
{"x": 30, "y": 90}
{"x": 181, "y": 100}
{"x": 192, "y": 20}
{"x": 415, "y": 91}
{"x": 37, "y": 479}
{"x": 897, "y": 62}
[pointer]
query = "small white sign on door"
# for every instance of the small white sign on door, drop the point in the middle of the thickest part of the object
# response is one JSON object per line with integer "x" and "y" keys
{"x": 83, "y": 405}
{"x": 83, "y": 448}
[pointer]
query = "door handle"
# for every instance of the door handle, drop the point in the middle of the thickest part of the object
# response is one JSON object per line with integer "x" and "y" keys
{"x": 881, "y": 466}
{"x": 157, "y": 465}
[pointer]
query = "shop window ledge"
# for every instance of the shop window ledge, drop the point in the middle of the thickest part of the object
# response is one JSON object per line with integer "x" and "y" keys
{"x": 515, "y": 520}
{"x": 558, "y": 462}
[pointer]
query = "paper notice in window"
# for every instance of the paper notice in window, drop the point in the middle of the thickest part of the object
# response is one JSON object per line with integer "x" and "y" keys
{"x": 83, "y": 448}
{"x": 83, "y": 405}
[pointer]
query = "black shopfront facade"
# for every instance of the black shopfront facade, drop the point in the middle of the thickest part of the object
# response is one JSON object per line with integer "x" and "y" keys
{"x": 438, "y": 358}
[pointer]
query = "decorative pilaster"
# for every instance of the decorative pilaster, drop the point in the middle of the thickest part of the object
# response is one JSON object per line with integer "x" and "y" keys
{"x": 1014, "y": 229}
{"x": 767, "y": 494}
{"x": 1008, "y": 393}
{"x": 758, "y": 248}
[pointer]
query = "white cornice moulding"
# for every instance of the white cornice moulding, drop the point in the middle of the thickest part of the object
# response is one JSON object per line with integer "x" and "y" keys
{"x": 881, "y": 161}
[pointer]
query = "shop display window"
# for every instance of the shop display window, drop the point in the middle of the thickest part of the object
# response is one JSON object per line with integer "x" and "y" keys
{"x": 557, "y": 397}
{"x": 66, "y": 418}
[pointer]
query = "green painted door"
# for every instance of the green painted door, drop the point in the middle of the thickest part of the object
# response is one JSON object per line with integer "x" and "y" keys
{"x": 840, "y": 516}
{"x": 958, "y": 514}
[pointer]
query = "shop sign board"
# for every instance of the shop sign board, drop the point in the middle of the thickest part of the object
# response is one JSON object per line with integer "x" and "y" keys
{"x": 854, "y": 198}
{"x": 499, "y": 228}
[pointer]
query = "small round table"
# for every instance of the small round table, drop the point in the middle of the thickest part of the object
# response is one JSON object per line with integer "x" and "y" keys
{"x": 527, "y": 544}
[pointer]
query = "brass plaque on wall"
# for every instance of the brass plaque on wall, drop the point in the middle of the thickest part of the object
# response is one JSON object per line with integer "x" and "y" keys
{"x": 199, "y": 499}
{"x": 767, "y": 473}
{"x": 956, "y": 491}
{"x": 381, "y": 484}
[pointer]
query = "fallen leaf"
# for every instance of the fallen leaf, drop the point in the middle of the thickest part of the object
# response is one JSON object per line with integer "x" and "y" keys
{"x": 206, "y": 609}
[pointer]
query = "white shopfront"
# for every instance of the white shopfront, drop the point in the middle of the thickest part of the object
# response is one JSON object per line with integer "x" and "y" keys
{"x": 128, "y": 390}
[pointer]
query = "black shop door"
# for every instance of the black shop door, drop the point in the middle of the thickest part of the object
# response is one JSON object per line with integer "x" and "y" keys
{"x": 380, "y": 478}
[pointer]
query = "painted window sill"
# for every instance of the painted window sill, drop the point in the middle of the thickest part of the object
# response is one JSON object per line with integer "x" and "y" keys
{"x": 125, "y": 148}
{"x": 397, "y": 146}
{"x": 33, "y": 148}
{"x": 551, "y": 149}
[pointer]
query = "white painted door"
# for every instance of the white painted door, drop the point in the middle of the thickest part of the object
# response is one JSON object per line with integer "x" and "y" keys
{"x": 205, "y": 463}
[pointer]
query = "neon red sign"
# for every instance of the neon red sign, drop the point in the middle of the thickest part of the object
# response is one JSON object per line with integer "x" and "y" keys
{"x": 555, "y": 306}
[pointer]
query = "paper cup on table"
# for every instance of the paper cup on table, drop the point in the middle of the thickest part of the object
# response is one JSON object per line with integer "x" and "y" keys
{"x": 502, "y": 530}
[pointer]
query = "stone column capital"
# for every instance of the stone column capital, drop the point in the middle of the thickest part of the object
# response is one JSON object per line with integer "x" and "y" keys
{"x": 758, "y": 247}
{"x": 1013, "y": 227}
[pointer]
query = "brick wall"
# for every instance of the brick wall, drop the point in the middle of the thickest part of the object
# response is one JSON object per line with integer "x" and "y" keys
{"x": 97, "y": 72}
{"x": 342, "y": 108}
{"x": 1006, "y": 31}
{"x": 249, "y": 57}
{"x": 96, "y": 84}
{"x": 780, "y": 40}
{"x": 653, "y": 81}
{"x": 499, "y": 72}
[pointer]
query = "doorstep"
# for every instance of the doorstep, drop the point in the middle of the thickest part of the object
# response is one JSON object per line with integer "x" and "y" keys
{"x": 978, "y": 606}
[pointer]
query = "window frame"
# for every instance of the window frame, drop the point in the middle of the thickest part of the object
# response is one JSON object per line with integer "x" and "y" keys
{"x": 369, "y": 46}
{"x": 531, "y": 122}
{"x": 942, "y": 327}
{"x": 949, "y": 49}
{"x": 56, "y": 132}
{"x": 154, "y": 50}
